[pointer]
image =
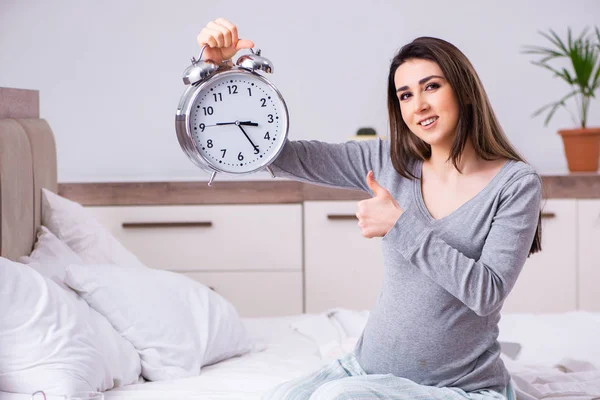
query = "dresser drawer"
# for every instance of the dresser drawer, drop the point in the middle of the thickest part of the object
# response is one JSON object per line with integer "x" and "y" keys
{"x": 257, "y": 294}
{"x": 548, "y": 281}
{"x": 209, "y": 238}
{"x": 589, "y": 254}
{"x": 342, "y": 268}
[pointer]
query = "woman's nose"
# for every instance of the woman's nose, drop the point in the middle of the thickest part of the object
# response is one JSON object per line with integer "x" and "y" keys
{"x": 421, "y": 103}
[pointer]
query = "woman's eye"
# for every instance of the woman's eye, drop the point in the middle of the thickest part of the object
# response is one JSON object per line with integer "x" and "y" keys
{"x": 432, "y": 86}
{"x": 404, "y": 96}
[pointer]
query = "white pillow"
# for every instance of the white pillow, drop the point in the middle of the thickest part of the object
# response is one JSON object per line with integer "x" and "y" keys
{"x": 76, "y": 227}
{"x": 50, "y": 257}
{"x": 177, "y": 324}
{"x": 48, "y": 338}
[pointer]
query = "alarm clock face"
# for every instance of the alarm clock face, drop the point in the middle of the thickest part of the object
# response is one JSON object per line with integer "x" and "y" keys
{"x": 238, "y": 121}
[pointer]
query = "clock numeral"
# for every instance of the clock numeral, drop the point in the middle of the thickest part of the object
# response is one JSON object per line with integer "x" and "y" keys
{"x": 256, "y": 150}
{"x": 264, "y": 102}
{"x": 267, "y": 137}
{"x": 240, "y": 156}
{"x": 249, "y": 91}
{"x": 224, "y": 151}
{"x": 232, "y": 89}
{"x": 209, "y": 143}
{"x": 270, "y": 118}
{"x": 218, "y": 96}
{"x": 208, "y": 110}
{"x": 202, "y": 126}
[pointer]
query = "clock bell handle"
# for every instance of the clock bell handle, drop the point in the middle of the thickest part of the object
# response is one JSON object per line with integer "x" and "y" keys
{"x": 201, "y": 52}
{"x": 194, "y": 61}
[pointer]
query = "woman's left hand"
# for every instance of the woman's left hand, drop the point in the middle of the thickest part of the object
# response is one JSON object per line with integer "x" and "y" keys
{"x": 376, "y": 216}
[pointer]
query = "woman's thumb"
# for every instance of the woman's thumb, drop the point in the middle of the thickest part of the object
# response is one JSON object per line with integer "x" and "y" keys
{"x": 244, "y": 44}
{"x": 375, "y": 187}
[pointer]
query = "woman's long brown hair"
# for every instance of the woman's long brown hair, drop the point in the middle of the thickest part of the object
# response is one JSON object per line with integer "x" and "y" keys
{"x": 476, "y": 120}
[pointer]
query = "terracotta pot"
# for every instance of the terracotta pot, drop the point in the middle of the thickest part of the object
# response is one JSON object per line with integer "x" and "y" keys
{"x": 582, "y": 148}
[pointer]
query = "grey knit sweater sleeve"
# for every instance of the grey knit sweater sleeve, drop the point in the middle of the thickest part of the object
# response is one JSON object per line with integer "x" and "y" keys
{"x": 481, "y": 284}
{"x": 341, "y": 165}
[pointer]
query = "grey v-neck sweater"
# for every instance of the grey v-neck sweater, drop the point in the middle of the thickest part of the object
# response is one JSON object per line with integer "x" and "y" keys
{"x": 445, "y": 280}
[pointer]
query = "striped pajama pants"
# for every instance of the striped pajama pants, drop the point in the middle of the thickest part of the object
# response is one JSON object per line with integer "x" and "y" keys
{"x": 344, "y": 379}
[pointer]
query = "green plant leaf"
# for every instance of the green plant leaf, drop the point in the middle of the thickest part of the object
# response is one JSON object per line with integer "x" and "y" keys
{"x": 551, "y": 113}
{"x": 558, "y": 73}
{"x": 567, "y": 76}
{"x": 554, "y": 106}
{"x": 556, "y": 41}
{"x": 595, "y": 82}
{"x": 583, "y": 57}
{"x": 583, "y": 54}
{"x": 540, "y": 110}
{"x": 543, "y": 51}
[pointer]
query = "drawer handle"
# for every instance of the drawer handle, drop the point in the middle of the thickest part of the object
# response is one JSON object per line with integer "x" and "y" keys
{"x": 342, "y": 217}
{"x": 199, "y": 224}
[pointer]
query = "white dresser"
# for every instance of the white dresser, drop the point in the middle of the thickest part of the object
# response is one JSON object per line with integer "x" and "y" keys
{"x": 250, "y": 254}
{"x": 282, "y": 259}
{"x": 280, "y": 247}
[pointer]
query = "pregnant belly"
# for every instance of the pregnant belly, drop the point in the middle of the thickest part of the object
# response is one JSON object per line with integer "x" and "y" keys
{"x": 422, "y": 343}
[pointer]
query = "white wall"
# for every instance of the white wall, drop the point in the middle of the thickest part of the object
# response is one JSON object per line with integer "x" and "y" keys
{"x": 109, "y": 72}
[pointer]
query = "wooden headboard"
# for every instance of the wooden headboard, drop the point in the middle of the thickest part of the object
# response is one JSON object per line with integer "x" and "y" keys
{"x": 27, "y": 164}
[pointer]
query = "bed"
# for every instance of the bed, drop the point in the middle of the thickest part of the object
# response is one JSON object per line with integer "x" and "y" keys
{"x": 549, "y": 356}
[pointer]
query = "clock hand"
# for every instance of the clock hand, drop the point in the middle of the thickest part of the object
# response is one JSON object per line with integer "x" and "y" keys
{"x": 221, "y": 123}
{"x": 250, "y": 123}
{"x": 245, "y": 134}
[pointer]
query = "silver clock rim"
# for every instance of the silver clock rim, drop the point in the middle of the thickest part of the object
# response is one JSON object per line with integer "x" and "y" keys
{"x": 184, "y": 129}
{"x": 185, "y": 141}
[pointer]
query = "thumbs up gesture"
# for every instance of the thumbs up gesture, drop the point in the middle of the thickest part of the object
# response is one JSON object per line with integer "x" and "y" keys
{"x": 377, "y": 215}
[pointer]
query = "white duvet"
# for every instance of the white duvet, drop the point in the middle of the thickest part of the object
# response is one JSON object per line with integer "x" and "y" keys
{"x": 559, "y": 357}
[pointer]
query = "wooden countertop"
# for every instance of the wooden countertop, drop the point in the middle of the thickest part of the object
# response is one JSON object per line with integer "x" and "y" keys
{"x": 577, "y": 185}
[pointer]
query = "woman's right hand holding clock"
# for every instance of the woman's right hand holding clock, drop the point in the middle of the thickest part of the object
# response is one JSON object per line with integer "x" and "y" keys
{"x": 221, "y": 37}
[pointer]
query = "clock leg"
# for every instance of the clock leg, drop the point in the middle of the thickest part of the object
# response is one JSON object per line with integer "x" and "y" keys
{"x": 271, "y": 172}
{"x": 212, "y": 178}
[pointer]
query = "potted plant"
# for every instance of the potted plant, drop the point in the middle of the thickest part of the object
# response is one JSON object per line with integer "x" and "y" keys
{"x": 581, "y": 144}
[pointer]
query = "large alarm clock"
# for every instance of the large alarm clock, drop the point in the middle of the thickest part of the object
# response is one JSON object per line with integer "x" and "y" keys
{"x": 230, "y": 118}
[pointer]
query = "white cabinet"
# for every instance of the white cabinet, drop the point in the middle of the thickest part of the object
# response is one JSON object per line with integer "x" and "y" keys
{"x": 589, "y": 255}
{"x": 342, "y": 268}
{"x": 548, "y": 282}
{"x": 283, "y": 259}
{"x": 209, "y": 238}
{"x": 251, "y": 254}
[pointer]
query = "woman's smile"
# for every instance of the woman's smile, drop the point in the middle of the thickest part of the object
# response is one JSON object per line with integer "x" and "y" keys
{"x": 428, "y": 123}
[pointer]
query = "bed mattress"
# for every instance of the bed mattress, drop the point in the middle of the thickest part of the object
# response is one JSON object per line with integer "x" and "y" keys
{"x": 558, "y": 357}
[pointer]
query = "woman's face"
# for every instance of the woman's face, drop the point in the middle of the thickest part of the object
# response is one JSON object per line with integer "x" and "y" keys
{"x": 428, "y": 104}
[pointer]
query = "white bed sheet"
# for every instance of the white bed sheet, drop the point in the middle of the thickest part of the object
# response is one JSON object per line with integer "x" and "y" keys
{"x": 288, "y": 347}
{"x": 282, "y": 353}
